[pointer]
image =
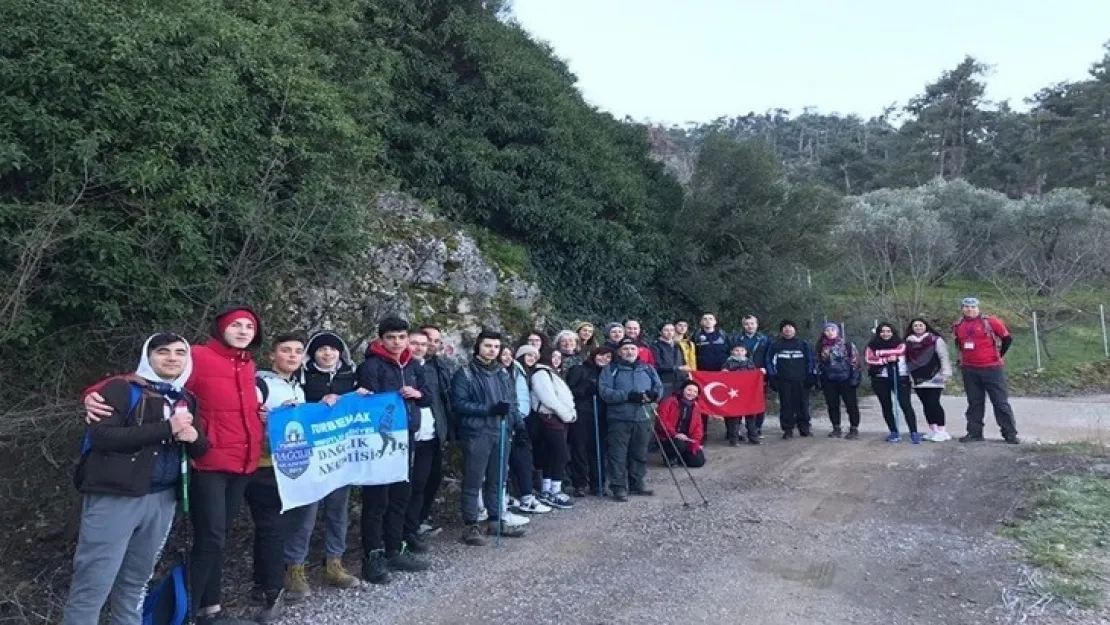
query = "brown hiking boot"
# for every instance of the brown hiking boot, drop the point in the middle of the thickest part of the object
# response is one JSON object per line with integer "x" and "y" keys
{"x": 472, "y": 536}
{"x": 336, "y": 575}
{"x": 296, "y": 584}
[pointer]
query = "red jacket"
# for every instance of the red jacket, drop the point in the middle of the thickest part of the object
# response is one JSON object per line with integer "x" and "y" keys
{"x": 978, "y": 341}
{"x": 646, "y": 355}
{"x": 670, "y": 411}
{"x": 227, "y": 405}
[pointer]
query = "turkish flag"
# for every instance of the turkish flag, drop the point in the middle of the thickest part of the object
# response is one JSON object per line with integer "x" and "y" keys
{"x": 731, "y": 393}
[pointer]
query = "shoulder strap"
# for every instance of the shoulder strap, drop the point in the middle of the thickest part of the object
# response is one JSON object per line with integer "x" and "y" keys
{"x": 262, "y": 388}
{"x": 135, "y": 396}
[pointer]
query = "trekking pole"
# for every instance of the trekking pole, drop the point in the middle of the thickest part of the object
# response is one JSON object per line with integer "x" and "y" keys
{"x": 500, "y": 478}
{"x": 597, "y": 451}
{"x": 685, "y": 503}
{"x": 894, "y": 383}
{"x": 674, "y": 446}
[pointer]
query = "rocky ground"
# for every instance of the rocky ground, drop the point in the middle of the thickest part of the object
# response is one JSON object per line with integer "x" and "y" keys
{"x": 804, "y": 531}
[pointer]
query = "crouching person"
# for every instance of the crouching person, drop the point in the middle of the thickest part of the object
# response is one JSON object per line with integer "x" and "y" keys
{"x": 680, "y": 428}
{"x": 626, "y": 386}
{"x": 130, "y": 476}
{"x": 483, "y": 399}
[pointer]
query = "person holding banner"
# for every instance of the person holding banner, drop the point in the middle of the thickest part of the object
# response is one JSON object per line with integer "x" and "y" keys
{"x": 129, "y": 478}
{"x": 389, "y": 367}
{"x": 738, "y": 361}
{"x": 483, "y": 399}
{"x": 627, "y": 386}
{"x": 680, "y": 426}
{"x": 328, "y": 372}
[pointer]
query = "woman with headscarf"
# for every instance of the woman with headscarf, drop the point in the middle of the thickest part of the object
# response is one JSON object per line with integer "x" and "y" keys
{"x": 231, "y": 413}
{"x": 930, "y": 368}
{"x": 130, "y": 476}
{"x": 586, "y": 451}
{"x": 886, "y": 355}
{"x": 839, "y": 373}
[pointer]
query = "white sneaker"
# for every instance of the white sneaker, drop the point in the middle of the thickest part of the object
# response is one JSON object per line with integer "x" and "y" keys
{"x": 512, "y": 502}
{"x": 483, "y": 515}
{"x": 530, "y": 505}
{"x": 514, "y": 520}
{"x": 940, "y": 437}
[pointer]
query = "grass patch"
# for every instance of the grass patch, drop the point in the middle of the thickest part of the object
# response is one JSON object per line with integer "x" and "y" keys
{"x": 1066, "y": 534}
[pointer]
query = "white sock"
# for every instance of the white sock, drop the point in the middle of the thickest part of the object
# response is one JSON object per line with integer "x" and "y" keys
{"x": 547, "y": 486}
{"x": 933, "y": 427}
{"x": 940, "y": 428}
{"x": 556, "y": 487}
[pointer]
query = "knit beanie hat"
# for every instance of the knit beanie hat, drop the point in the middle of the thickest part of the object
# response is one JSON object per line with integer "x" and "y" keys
{"x": 327, "y": 339}
{"x": 578, "y": 325}
{"x": 609, "y": 327}
{"x": 527, "y": 349}
{"x": 232, "y": 316}
{"x": 786, "y": 322}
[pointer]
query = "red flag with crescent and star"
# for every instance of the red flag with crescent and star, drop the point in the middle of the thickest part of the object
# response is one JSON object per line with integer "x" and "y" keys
{"x": 731, "y": 393}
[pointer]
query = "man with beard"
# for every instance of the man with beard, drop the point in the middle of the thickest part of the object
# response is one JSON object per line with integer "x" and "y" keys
{"x": 626, "y": 386}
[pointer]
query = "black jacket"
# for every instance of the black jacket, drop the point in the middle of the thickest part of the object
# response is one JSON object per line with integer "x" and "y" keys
{"x": 317, "y": 384}
{"x": 582, "y": 380}
{"x": 471, "y": 401}
{"x": 380, "y": 372}
{"x": 437, "y": 380}
{"x": 668, "y": 358}
{"x": 134, "y": 454}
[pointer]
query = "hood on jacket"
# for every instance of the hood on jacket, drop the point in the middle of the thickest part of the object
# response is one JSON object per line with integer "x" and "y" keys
{"x": 146, "y": 372}
{"x": 378, "y": 350}
{"x": 327, "y": 337}
{"x": 214, "y": 329}
{"x": 280, "y": 389}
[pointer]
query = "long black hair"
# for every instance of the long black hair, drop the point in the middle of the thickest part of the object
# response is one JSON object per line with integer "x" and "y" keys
{"x": 880, "y": 343}
{"x": 929, "y": 329}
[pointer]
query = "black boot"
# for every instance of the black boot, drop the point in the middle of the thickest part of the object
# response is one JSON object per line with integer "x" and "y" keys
{"x": 415, "y": 545}
{"x": 788, "y": 434}
{"x": 853, "y": 433}
{"x": 374, "y": 567}
{"x": 405, "y": 561}
{"x": 971, "y": 438}
{"x": 836, "y": 432}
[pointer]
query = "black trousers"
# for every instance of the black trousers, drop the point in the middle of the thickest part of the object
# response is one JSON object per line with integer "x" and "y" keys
{"x": 930, "y": 402}
{"x": 883, "y": 391}
{"x": 980, "y": 384}
{"x": 383, "y": 516}
{"x": 424, "y": 454}
{"x": 214, "y": 500}
{"x": 586, "y": 450}
{"x": 794, "y": 401}
{"x": 837, "y": 392}
{"x": 435, "y": 481}
{"x": 522, "y": 465}
{"x": 751, "y": 426}
{"x": 681, "y": 449}
{"x": 264, "y": 503}
{"x": 552, "y": 453}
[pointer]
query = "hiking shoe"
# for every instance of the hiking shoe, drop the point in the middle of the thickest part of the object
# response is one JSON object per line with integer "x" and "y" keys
{"x": 787, "y": 435}
{"x": 806, "y": 433}
{"x": 562, "y": 501}
{"x": 508, "y": 531}
{"x": 641, "y": 492}
{"x": 732, "y": 442}
{"x": 335, "y": 575}
{"x": 971, "y": 438}
{"x": 581, "y": 491}
{"x": 473, "y": 536}
{"x": 853, "y": 434}
{"x": 1012, "y": 439}
{"x": 428, "y": 528}
{"x": 272, "y": 607}
{"x": 414, "y": 545}
{"x": 915, "y": 438}
{"x": 530, "y": 505}
{"x": 511, "y": 502}
{"x": 894, "y": 437}
{"x": 620, "y": 496}
{"x": 374, "y": 567}
{"x": 297, "y": 587}
{"x": 754, "y": 440}
{"x": 405, "y": 561}
{"x": 514, "y": 520}
{"x": 836, "y": 433}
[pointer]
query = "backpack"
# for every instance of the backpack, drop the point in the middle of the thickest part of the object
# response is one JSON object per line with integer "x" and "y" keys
{"x": 167, "y": 603}
{"x": 135, "y": 398}
{"x": 987, "y": 328}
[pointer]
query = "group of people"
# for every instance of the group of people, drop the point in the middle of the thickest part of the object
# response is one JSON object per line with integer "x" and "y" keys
{"x": 539, "y": 423}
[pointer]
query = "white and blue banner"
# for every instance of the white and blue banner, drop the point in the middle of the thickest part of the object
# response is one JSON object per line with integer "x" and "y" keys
{"x": 361, "y": 440}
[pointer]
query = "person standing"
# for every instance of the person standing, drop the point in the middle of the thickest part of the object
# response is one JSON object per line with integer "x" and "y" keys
{"x": 626, "y": 386}
{"x": 738, "y": 360}
{"x": 886, "y": 357}
{"x": 634, "y": 331}
{"x": 710, "y": 344}
{"x": 839, "y": 373}
{"x": 983, "y": 342}
{"x": 792, "y": 371}
{"x": 552, "y": 406}
{"x": 437, "y": 377}
{"x": 584, "y": 448}
{"x": 426, "y": 445}
{"x": 483, "y": 398}
{"x": 586, "y": 338}
{"x": 756, "y": 343}
{"x": 670, "y": 364}
{"x": 682, "y": 338}
{"x": 566, "y": 342}
{"x": 129, "y": 480}
{"x": 930, "y": 368}
{"x": 614, "y": 334}
{"x": 389, "y": 367}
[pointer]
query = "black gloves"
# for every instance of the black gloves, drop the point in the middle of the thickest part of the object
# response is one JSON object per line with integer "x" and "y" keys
{"x": 651, "y": 395}
{"x": 500, "y": 409}
{"x": 635, "y": 397}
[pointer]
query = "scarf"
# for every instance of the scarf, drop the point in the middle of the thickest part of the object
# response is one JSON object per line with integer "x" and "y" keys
{"x": 171, "y": 389}
{"x": 833, "y": 348}
{"x": 922, "y": 359}
{"x": 685, "y": 414}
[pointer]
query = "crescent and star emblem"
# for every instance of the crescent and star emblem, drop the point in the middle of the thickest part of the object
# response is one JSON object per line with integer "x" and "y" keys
{"x": 709, "y": 388}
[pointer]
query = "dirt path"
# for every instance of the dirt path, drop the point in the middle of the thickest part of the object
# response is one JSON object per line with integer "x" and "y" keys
{"x": 805, "y": 531}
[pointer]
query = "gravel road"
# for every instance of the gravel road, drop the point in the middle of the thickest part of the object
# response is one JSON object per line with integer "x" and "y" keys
{"x": 805, "y": 531}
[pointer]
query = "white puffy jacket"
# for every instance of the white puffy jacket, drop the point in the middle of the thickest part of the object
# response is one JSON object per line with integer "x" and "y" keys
{"x": 551, "y": 395}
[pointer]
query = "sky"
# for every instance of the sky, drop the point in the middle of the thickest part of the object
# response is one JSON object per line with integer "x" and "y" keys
{"x": 679, "y": 61}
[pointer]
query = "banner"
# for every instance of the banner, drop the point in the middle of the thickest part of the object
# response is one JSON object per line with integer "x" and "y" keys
{"x": 361, "y": 440}
{"x": 731, "y": 393}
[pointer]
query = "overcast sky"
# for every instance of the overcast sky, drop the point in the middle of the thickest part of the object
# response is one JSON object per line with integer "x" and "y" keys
{"x": 675, "y": 61}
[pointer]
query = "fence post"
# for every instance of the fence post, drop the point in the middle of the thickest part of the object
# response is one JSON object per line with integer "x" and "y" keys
{"x": 1105, "y": 344}
{"x": 1037, "y": 340}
